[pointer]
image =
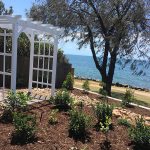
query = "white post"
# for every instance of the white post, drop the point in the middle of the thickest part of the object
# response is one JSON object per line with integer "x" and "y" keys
{"x": 54, "y": 65}
{"x": 4, "y": 61}
{"x": 14, "y": 57}
{"x": 31, "y": 61}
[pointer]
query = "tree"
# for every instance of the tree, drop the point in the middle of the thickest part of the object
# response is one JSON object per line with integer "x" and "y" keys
{"x": 115, "y": 30}
{"x": 4, "y": 11}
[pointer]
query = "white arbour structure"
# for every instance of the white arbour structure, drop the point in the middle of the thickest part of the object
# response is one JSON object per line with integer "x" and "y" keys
{"x": 48, "y": 36}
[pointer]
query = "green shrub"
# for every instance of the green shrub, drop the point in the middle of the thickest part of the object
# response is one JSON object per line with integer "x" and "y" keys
{"x": 85, "y": 85}
{"x": 68, "y": 83}
{"x": 53, "y": 117}
{"x": 17, "y": 102}
{"x": 14, "y": 103}
{"x": 25, "y": 128}
{"x": 103, "y": 113}
{"x": 128, "y": 97}
{"x": 63, "y": 99}
{"x": 79, "y": 122}
{"x": 102, "y": 92}
{"x": 105, "y": 126}
{"x": 124, "y": 122}
{"x": 140, "y": 134}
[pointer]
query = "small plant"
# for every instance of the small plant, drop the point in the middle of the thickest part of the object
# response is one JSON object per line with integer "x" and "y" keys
{"x": 53, "y": 116}
{"x": 25, "y": 128}
{"x": 104, "y": 127}
{"x": 63, "y": 99}
{"x": 102, "y": 92}
{"x": 128, "y": 97}
{"x": 140, "y": 134}
{"x": 17, "y": 102}
{"x": 85, "y": 86}
{"x": 103, "y": 113}
{"x": 79, "y": 123}
{"x": 68, "y": 83}
{"x": 14, "y": 103}
{"x": 124, "y": 122}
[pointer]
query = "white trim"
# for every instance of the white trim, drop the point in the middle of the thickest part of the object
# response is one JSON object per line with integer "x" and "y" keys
{"x": 54, "y": 65}
{"x": 14, "y": 57}
{"x": 31, "y": 61}
{"x": 17, "y": 24}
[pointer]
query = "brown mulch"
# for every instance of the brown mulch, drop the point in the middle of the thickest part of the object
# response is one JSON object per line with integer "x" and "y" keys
{"x": 56, "y": 137}
{"x": 116, "y": 103}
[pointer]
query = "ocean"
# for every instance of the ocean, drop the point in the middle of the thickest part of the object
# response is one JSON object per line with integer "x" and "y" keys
{"x": 85, "y": 67}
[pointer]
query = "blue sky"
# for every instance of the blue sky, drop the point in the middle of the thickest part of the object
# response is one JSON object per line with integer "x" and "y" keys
{"x": 19, "y": 7}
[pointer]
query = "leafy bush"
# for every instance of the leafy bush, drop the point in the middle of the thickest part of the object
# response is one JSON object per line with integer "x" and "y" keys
{"x": 124, "y": 122}
{"x": 63, "y": 99}
{"x": 68, "y": 83}
{"x": 102, "y": 92}
{"x": 103, "y": 113}
{"x": 85, "y": 85}
{"x": 17, "y": 102}
{"x": 140, "y": 134}
{"x": 53, "y": 117}
{"x": 25, "y": 128}
{"x": 14, "y": 103}
{"x": 104, "y": 127}
{"x": 79, "y": 123}
{"x": 128, "y": 97}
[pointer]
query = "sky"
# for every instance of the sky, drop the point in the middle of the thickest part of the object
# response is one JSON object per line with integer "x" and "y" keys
{"x": 19, "y": 7}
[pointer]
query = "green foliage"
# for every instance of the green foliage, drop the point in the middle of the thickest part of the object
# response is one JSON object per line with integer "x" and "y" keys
{"x": 103, "y": 113}
{"x": 140, "y": 134}
{"x": 128, "y": 97}
{"x": 86, "y": 86}
{"x": 53, "y": 117}
{"x": 102, "y": 92}
{"x": 18, "y": 101}
{"x": 124, "y": 122}
{"x": 63, "y": 98}
{"x": 25, "y": 128}
{"x": 79, "y": 122}
{"x": 14, "y": 103}
{"x": 68, "y": 83}
{"x": 4, "y": 11}
{"x": 104, "y": 127}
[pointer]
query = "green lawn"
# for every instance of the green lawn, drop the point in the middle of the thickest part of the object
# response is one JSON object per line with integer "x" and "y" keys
{"x": 142, "y": 97}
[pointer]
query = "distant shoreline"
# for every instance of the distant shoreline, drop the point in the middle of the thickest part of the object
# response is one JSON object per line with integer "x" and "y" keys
{"x": 117, "y": 84}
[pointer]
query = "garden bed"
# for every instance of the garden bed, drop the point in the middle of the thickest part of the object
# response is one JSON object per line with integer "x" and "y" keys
{"x": 56, "y": 137}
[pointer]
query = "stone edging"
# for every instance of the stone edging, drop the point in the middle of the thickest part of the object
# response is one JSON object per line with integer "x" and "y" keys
{"x": 115, "y": 99}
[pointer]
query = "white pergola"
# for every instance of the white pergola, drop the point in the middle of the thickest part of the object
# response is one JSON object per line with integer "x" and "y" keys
{"x": 49, "y": 35}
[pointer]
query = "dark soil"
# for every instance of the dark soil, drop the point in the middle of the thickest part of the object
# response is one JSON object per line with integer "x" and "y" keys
{"x": 56, "y": 137}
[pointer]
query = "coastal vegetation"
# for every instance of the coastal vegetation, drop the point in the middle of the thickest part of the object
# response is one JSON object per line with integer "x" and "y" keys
{"x": 86, "y": 86}
{"x": 140, "y": 97}
{"x": 68, "y": 83}
{"x": 114, "y": 30}
{"x": 72, "y": 119}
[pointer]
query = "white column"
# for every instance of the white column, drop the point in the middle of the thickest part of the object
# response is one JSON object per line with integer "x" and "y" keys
{"x": 54, "y": 65}
{"x": 14, "y": 57}
{"x": 31, "y": 62}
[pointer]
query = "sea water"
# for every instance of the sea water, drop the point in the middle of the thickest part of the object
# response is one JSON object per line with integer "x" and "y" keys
{"x": 85, "y": 67}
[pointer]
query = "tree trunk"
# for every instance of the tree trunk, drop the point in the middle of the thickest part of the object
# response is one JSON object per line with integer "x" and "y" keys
{"x": 108, "y": 79}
